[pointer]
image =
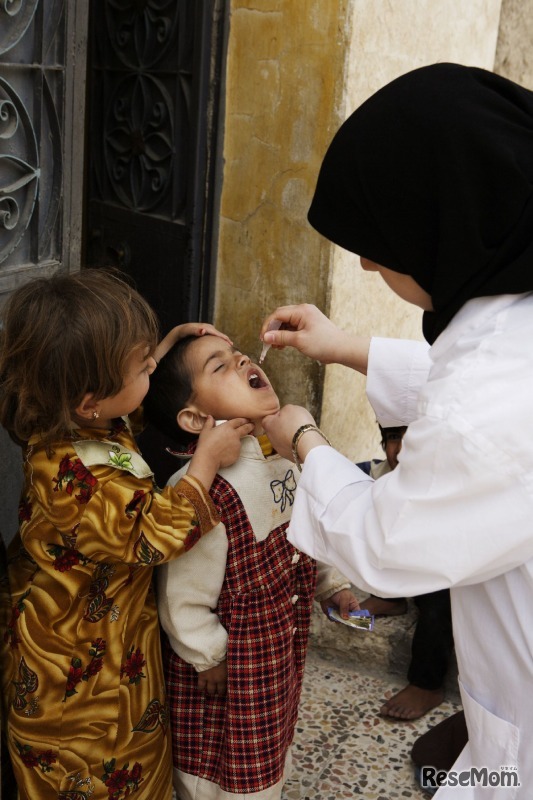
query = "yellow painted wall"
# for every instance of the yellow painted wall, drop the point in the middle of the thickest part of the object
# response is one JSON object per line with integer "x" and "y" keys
{"x": 283, "y": 88}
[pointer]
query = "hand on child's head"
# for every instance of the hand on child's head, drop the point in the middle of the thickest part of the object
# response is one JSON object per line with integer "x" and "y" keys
{"x": 203, "y": 329}
{"x": 210, "y": 330}
{"x": 223, "y": 442}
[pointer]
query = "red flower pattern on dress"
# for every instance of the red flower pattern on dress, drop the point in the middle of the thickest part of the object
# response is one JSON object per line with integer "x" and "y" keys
{"x": 75, "y": 676}
{"x": 35, "y": 758}
{"x": 192, "y": 536}
{"x": 25, "y": 510}
{"x": 10, "y": 636}
{"x": 69, "y": 559}
{"x": 73, "y": 474}
{"x": 135, "y": 661}
{"x": 84, "y": 496}
{"x": 134, "y": 506}
{"x": 77, "y": 673}
{"x": 121, "y": 782}
{"x": 94, "y": 667}
{"x": 65, "y": 557}
{"x": 47, "y": 757}
{"x": 29, "y": 758}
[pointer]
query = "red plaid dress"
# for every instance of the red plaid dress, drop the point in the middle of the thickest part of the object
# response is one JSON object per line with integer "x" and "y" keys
{"x": 240, "y": 741}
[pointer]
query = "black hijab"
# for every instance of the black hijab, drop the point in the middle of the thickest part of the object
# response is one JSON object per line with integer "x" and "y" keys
{"x": 433, "y": 177}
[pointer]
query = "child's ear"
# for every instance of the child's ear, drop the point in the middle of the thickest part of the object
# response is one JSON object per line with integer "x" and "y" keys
{"x": 191, "y": 419}
{"x": 88, "y": 408}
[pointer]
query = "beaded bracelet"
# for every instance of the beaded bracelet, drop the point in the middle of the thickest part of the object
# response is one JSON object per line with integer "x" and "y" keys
{"x": 296, "y": 440}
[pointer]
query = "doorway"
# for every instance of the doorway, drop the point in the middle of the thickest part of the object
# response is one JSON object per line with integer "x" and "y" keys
{"x": 153, "y": 105}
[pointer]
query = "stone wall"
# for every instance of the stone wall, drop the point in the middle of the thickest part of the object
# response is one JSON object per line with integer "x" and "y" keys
{"x": 284, "y": 87}
{"x": 387, "y": 40}
{"x": 294, "y": 72}
{"x": 514, "y": 53}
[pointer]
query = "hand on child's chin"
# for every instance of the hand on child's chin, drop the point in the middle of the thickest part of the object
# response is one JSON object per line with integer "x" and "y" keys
{"x": 281, "y": 427}
{"x": 224, "y": 440}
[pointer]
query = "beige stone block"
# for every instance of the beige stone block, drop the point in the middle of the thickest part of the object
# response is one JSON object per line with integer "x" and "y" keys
{"x": 514, "y": 53}
{"x": 389, "y": 39}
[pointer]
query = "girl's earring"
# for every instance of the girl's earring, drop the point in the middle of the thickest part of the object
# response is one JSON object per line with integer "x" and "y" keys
{"x": 96, "y": 414}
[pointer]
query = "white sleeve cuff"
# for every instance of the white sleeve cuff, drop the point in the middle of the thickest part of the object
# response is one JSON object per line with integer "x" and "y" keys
{"x": 397, "y": 370}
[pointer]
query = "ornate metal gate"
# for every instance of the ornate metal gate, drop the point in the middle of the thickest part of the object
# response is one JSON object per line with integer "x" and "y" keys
{"x": 38, "y": 103}
{"x": 153, "y": 103}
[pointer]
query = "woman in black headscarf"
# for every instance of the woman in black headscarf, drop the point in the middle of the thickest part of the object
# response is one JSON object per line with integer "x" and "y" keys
{"x": 431, "y": 183}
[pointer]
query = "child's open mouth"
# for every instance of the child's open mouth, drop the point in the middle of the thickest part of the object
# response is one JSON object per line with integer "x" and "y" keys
{"x": 255, "y": 380}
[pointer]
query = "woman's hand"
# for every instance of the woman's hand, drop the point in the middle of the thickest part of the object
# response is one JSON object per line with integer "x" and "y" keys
{"x": 218, "y": 446}
{"x": 187, "y": 329}
{"x": 214, "y": 680}
{"x": 303, "y": 327}
{"x": 281, "y": 427}
{"x": 308, "y": 330}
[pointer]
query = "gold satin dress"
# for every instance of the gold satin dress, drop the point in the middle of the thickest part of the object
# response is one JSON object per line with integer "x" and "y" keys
{"x": 87, "y": 711}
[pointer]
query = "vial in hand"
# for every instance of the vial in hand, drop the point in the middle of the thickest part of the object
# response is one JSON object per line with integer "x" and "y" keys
{"x": 274, "y": 325}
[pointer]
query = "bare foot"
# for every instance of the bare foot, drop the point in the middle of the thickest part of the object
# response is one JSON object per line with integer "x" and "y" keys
{"x": 412, "y": 702}
{"x": 381, "y": 607}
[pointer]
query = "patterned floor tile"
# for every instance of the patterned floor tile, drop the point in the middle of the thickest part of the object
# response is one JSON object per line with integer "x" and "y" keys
{"x": 342, "y": 747}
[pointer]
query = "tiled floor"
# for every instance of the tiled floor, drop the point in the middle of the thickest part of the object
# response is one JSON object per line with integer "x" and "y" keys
{"x": 343, "y": 748}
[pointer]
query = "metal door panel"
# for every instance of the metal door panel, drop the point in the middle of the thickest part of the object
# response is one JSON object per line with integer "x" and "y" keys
{"x": 150, "y": 98}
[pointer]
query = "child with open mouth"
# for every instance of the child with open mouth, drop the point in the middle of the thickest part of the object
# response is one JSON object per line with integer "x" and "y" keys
{"x": 236, "y": 613}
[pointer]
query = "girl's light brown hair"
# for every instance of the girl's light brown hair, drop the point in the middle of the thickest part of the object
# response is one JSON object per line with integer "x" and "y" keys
{"x": 63, "y": 337}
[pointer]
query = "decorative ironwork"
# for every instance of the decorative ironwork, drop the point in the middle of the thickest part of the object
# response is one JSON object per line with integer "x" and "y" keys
{"x": 32, "y": 127}
{"x": 19, "y": 169}
{"x": 141, "y": 31}
{"x": 50, "y": 190}
{"x": 51, "y": 23}
{"x": 139, "y": 142}
{"x": 153, "y": 93}
{"x": 15, "y": 18}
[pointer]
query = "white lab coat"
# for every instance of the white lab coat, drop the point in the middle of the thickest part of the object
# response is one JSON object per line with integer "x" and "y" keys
{"x": 457, "y": 512}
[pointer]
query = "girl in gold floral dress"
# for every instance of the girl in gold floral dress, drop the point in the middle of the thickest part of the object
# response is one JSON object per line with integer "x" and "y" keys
{"x": 87, "y": 713}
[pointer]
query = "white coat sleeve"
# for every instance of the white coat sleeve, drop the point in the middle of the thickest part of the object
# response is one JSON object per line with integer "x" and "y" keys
{"x": 188, "y": 589}
{"x": 397, "y": 370}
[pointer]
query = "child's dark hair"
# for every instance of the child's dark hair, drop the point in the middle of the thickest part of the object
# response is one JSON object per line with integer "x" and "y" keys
{"x": 171, "y": 388}
{"x": 63, "y": 337}
{"x": 395, "y": 431}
